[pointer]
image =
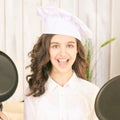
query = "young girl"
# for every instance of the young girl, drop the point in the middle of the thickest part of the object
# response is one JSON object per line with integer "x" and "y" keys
{"x": 57, "y": 86}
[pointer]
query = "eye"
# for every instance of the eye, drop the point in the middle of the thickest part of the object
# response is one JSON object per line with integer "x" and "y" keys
{"x": 70, "y": 46}
{"x": 54, "y": 46}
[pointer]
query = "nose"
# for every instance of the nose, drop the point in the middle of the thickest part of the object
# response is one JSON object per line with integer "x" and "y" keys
{"x": 62, "y": 51}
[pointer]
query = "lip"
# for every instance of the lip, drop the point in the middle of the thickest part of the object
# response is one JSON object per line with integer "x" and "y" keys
{"x": 62, "y": 60}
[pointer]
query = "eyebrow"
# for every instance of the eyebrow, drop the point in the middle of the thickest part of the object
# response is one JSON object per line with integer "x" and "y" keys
{"x": 59, "y": 43}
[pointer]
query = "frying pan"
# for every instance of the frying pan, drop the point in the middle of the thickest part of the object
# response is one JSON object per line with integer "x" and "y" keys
{"x": 107, "y": 103}
{"x": 8, "y": 77}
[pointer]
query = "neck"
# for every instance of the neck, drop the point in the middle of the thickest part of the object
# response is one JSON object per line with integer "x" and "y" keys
{"x": 61, "y": 78}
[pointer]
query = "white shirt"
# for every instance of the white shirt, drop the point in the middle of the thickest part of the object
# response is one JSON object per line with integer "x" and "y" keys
{"x": 74, "y": 101}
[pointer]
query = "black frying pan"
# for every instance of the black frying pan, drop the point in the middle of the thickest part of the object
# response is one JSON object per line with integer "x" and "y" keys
{"x": 107, "y": 104}
{"x": 8, "y": 77}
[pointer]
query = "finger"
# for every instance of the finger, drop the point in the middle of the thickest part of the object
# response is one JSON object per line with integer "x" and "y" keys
{"x": 3, "y": 116}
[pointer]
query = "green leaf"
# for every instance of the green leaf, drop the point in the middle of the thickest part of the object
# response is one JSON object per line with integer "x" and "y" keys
{"x": 107, "y": 42}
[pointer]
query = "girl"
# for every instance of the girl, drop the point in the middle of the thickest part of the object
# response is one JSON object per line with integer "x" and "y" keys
{"x": 57, "y": 86}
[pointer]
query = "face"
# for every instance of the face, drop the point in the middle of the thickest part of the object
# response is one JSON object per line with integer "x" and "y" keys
{"x": 63, "y": 50}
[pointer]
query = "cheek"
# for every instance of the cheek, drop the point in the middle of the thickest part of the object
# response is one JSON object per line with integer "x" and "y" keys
{"x": 53, "y": 53}
{"x": 73, "y": 53}
{"x": 74, "y": 56}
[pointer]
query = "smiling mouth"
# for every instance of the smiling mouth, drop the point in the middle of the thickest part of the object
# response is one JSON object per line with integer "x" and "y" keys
{"x": 62, "y": 62}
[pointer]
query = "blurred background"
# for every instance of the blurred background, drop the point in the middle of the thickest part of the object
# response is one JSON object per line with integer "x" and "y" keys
{"x": 20, "y": 28}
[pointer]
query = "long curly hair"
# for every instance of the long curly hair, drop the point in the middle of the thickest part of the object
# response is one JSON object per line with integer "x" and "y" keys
{"x": 41, "y": 66}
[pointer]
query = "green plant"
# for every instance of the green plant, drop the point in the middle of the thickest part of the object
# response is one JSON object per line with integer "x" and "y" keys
{"x": 89, "y": 53}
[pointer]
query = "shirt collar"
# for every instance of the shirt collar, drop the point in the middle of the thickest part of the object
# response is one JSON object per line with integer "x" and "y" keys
{"x": 72, "y": 83}
{"x": 51, "y": 84}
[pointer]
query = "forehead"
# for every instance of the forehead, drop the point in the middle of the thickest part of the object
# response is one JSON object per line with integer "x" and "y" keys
{"x": 63, "y": 39}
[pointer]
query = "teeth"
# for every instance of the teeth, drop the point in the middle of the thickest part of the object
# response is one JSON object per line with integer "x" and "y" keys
{"x": 62, "y": 60}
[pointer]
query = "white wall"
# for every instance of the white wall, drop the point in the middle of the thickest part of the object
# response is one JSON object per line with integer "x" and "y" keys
{"x": 115, "y": 47}
{"x": 20, "y": 28}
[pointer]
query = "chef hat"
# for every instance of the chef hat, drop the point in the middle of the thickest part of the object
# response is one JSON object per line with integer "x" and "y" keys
{"x": 58, "y": 21}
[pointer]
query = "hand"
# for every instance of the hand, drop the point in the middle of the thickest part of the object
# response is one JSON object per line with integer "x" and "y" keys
{"x": 3, "y": 116}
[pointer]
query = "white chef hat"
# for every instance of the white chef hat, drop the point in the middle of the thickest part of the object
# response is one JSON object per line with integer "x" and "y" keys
{"x": 58, "y": 21}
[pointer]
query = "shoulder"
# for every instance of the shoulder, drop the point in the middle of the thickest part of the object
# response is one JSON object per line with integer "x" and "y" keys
{"x": 88, "y": 84}
{"x": 31, "y": 99}
{"x": 88, "y": 87}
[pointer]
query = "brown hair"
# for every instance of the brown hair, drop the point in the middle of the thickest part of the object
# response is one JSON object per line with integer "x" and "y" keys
{"x": 41, "y": 66}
